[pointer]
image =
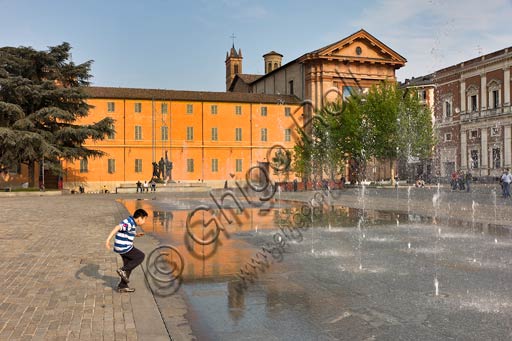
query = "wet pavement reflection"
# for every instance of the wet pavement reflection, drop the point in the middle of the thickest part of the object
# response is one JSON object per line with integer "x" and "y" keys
{"x": 352, "y": 274}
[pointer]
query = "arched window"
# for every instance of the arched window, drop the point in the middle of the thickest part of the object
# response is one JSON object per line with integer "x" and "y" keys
{"x": 472, "y": 94}
{"x": 447, "y": 101}
{"x": 275, "y": 66}
{"x": 269, "y": 68}
{"x": 494, "y": 94}
{"x": 236, "y": 68}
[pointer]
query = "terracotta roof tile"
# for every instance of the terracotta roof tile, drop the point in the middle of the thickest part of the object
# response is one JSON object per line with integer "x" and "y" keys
{"x": 179, "y": 95}
{"x": 249, "y": 78}
{"x": 419, "y": 81}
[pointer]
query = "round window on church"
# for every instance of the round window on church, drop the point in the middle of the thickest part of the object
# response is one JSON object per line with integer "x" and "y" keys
{"x": 359, "y": 50}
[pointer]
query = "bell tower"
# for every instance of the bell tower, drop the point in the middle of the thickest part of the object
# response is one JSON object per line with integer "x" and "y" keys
{"x": 272, "y": 61}
{"x": 233, "y": 65}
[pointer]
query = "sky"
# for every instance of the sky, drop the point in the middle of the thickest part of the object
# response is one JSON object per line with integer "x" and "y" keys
{"x": 182, "y": 45}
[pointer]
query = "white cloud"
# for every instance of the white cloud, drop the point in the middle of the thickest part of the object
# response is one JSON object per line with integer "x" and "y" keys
{"x": 433, "y": 34}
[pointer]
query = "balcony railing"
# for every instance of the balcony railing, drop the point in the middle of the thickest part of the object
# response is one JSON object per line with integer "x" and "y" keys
{"x": 475, "y": 115}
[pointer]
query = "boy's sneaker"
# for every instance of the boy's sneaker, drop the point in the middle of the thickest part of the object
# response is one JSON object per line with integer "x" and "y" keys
{"x": 121, "y": 290}
{"x": 123, "y": 275}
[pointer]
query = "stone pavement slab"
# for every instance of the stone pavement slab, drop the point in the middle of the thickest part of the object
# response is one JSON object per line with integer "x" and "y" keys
{"x": 58, "y": 279}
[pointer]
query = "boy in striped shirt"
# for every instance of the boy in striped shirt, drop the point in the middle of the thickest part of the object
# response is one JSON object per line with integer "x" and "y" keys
{"x": 124, "y": 234}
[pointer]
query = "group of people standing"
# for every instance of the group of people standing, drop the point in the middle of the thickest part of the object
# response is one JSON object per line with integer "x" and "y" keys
{"x": 461, "y": 181}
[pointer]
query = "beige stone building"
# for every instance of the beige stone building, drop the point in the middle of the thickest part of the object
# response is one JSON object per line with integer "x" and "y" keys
{"x": 353, "y": 63}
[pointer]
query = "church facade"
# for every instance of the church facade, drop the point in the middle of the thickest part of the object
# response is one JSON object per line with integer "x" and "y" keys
{"x": 354, "y": 63}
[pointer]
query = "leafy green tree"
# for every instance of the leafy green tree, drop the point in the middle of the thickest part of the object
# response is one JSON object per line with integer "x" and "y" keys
{"x": 320, "y": 150}
{"x": 382, "y": 105}
{"x": 416, "y": 136}
{"x": 387, "y": 123}
{"x": 303, "y": 155}
{"x": 42, "y": 96}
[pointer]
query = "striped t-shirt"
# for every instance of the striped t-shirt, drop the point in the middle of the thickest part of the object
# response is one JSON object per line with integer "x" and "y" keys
{"x": 124, "y": 237}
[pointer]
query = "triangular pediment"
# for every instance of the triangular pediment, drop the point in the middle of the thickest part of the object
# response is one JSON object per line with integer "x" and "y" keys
{"x": 360, "y": 46}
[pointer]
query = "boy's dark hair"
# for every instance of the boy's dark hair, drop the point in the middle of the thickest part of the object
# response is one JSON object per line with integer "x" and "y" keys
{"x": 140, "y": 213}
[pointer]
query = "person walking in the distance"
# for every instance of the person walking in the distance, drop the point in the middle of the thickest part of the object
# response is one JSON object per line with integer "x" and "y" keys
{"x": 469, "y": 178}
{"x": 124, "y": 234}
{"x": 507, "y": 179}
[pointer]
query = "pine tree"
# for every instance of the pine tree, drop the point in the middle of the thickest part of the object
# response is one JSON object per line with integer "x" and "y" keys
{"x": 42, "y": 96}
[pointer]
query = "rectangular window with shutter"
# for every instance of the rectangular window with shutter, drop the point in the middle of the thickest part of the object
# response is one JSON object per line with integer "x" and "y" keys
{"x": 263, "y": 134}
{"x": 112, "y": 135}
{"x": 84, "y": 166}
{"x": 190, "y": 165}
{"x": 287, "y": 135}
{"x": 138, "y": 132}
{"x": 238, "y": 134}
{"x": 190, "y": 133}
{"x": 165, "y": 133}
{"x": 138, "y": 165}
{"x": 111, "y": 166}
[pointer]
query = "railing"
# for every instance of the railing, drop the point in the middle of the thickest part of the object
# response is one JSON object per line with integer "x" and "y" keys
{"x": 474, "y": 115}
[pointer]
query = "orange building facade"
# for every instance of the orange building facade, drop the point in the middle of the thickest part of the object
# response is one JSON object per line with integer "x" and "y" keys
{"x": 209, "y": 137}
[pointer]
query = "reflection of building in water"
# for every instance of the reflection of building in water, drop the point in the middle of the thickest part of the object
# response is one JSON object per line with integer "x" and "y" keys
{"x": 163, "y": 218}
{"x": 291, "y": 297}
{"x": 236, "y": 301}
{"x": 223, "y": 259}
{"x": 219, "y": 260}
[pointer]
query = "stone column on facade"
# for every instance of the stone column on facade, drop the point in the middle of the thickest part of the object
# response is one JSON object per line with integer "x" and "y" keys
{"x": 315, "y": 86}
{"x": 483, "y": 92}
{"x": 506, "y": 75}
{"x": 483, "y": 148}
{"x": 462, "y": 96}
{"x": 463, "y": 151}
{"x": 322, "y": 91}
{"x": 506, "y": 146}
